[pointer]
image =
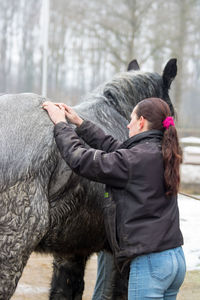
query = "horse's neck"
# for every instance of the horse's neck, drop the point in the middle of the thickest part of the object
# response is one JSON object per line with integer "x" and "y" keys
{"x": 106, "y": 117}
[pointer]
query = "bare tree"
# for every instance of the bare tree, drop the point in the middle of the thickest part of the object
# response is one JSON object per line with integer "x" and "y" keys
{"x": 29, "y": 44}
{"x": 91, "y": 40}
{"x": 8, "y": 11}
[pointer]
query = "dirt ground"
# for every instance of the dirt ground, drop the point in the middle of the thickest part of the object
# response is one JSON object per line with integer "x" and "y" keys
{"x": 35, "y": 281}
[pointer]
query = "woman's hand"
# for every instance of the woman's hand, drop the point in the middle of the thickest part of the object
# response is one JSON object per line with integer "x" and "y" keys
{"x": 71, "y": 115}
{"x": 56, "y": 114}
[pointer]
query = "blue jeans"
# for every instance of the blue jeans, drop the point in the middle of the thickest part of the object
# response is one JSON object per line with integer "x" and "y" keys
{"x": 157, "y": 276}
{"x": 103, "y": 287}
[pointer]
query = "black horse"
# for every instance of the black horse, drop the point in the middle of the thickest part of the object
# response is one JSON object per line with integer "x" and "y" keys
{"x": 46, "y": 207}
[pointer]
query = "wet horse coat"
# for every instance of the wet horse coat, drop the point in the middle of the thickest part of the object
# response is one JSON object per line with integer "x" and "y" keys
{"x": 46, "y": 207}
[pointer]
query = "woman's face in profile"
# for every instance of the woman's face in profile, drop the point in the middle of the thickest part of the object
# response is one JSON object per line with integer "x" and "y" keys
{"x": 137, "y": 125}
{"x": 133, "y": 126}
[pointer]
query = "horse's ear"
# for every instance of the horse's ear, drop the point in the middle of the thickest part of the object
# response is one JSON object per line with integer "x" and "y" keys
{"x": 169, "y": 72}
{"x": 133, "y": 65}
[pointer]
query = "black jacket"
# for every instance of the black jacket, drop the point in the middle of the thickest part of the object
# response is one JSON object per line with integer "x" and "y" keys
{"x": 139, "y": 218}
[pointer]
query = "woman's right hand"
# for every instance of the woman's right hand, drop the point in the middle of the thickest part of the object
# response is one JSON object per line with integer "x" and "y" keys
{"x": 71, "y": 115}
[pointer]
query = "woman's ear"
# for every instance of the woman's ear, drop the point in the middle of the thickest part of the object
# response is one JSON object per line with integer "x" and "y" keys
{"x": 141, "y": 122}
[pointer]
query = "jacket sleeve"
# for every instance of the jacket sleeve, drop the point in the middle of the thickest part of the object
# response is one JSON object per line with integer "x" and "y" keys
{"x": 109, "y": 168}
{"x": 96, "y": 138}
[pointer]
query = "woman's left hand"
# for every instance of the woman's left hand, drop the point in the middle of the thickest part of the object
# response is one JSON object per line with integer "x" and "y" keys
{"x": 56, "y": 114}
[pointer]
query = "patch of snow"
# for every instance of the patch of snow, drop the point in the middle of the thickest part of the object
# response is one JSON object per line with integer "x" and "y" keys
{"x": 191, "y": 155}
{"x": 190, "y": 140}
{"x": 190, "y": 174}
{"x": 192, "y": 149}
{"x": 30, "y": 289}
{"x": 190, "y": 225}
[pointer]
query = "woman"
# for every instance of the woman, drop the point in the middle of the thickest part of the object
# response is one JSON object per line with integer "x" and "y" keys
{"x": 142, "y": 180}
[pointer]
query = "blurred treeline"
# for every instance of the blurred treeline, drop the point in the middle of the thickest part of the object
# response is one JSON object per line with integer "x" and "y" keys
{"x": 91, "y": 40}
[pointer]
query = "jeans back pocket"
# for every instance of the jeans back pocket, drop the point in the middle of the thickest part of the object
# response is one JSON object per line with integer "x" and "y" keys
{"x": 160, "y": 265}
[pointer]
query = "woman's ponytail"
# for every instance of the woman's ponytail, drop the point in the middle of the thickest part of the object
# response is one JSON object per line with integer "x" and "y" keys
{"x": 172, "y": 157}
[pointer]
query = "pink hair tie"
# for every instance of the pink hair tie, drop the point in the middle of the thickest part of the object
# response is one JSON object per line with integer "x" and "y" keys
{"x": 169, "y": 121}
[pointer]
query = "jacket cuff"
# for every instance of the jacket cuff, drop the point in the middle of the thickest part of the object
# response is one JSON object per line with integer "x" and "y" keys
{"x": 59, "y": 127}
{"x": 81, "y": 129}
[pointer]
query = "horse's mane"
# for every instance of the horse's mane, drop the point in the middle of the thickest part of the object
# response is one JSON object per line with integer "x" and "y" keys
{"x": 123, "y": 92}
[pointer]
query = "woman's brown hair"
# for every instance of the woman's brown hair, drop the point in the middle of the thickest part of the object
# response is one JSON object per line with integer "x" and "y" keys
{"x": 155, "y": 111}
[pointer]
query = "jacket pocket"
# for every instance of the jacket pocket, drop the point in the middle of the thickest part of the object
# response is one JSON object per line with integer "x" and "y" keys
{"x": 160, "y": 265}
{"x": 110, "y": 226}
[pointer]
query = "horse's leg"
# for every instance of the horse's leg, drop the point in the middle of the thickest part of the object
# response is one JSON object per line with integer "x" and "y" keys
{"x": 22, "y": 224}
{"x": 11, "y": 269}
{"x": 68, "y": 278}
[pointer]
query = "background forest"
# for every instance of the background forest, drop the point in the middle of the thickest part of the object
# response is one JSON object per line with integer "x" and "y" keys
{"x": 89, "y": 41}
